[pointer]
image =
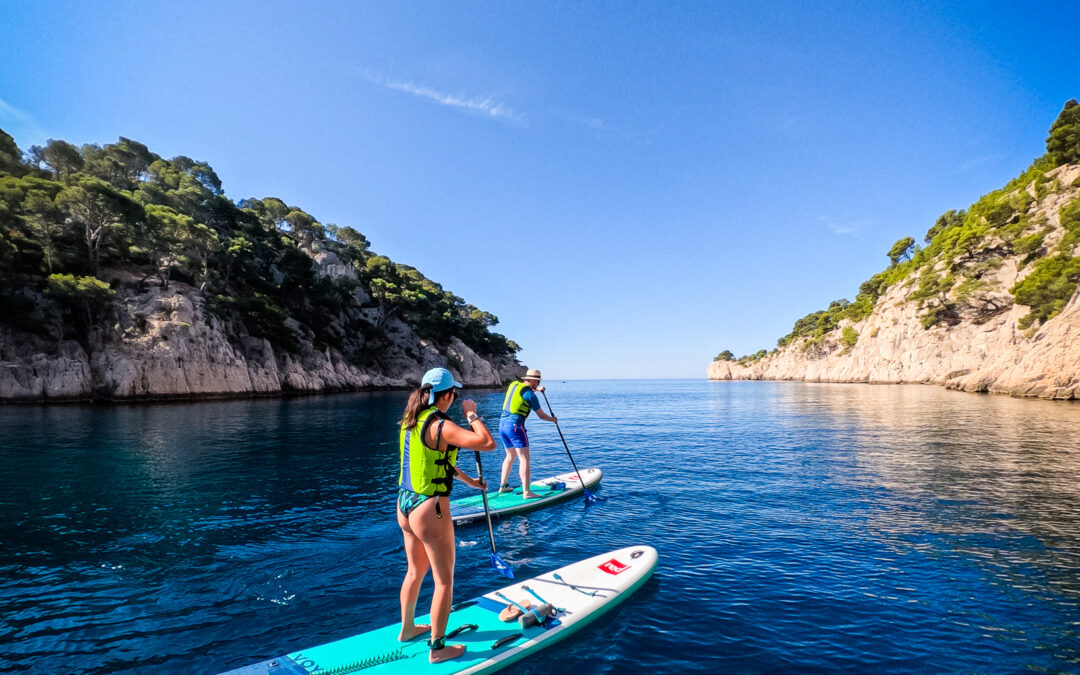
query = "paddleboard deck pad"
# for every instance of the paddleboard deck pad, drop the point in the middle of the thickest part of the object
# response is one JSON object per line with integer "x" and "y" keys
{"x": 501, "y": 504}
{"x": 580, "y": 593}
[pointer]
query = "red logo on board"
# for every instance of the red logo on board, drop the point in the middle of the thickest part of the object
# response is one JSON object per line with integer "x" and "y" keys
{"x": 612, "y": 566}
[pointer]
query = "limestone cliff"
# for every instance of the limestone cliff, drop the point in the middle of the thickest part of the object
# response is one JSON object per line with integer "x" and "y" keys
{"x": 988, "y": 342}
{"x": 166, "y": 344}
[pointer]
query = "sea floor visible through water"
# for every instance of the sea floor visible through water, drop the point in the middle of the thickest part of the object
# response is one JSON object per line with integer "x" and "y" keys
{"x": 800, "y": 528}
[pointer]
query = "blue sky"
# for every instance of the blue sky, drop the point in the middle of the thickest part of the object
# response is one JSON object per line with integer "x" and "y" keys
{"x": 630, "y": 187}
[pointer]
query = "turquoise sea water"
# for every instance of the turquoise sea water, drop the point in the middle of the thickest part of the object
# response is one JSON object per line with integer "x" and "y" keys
{"x": 800, "y": 527}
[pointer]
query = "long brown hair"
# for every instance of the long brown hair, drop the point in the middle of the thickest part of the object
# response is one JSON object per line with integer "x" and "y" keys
{"x": 418, "y": 401}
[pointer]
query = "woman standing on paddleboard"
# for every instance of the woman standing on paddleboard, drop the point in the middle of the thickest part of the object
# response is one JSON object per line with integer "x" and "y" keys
{"x": 429, "y": 442}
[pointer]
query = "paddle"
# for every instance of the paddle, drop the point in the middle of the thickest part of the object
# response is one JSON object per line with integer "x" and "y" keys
{"x": 590, "y": 498}
{"x": 496, "y": 561}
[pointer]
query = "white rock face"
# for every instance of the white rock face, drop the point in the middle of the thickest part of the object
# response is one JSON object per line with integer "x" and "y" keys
{"x": 168, "y": 345}
{"x": 994, "y": 355}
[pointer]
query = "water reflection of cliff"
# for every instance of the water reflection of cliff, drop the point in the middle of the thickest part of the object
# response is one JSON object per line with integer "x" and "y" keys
{"x": 179, "y": 480}
{"x": 965, "y": 480}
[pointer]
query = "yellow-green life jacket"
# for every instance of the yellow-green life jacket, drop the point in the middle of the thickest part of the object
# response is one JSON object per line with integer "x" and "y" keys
{"x": 425, "y": 470}
{"x": 514, "y": 403}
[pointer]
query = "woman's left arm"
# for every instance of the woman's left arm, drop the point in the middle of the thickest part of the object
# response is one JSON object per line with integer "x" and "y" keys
{"x": 469, "y": 480}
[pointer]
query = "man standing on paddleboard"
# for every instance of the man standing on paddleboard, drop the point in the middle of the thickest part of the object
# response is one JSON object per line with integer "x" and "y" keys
{"x": 519, "y": 402}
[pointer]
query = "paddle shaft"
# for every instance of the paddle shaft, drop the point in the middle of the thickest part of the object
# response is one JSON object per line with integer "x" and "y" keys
{"x": 563, "y": 438}
{"x": 483, "y": 493}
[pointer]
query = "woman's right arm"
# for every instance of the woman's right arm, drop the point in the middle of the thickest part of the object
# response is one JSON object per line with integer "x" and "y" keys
{"x": 476, "y": 437}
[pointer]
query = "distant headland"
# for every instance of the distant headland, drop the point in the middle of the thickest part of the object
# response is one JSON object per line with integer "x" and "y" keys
{"x": 990, "y": 304}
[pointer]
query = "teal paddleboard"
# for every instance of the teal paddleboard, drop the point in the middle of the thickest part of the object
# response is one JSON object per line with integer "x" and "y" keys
{"x": 551, "y": 490}
{"x": 580, "y": 592}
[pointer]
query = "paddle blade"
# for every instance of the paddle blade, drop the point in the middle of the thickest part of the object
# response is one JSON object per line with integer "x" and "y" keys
{"x": 590, "y": 498}
{"x": 501, "y": 566}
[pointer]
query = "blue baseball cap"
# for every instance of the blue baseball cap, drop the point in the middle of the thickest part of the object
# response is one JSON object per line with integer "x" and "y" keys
{"x": 440, "y": 379}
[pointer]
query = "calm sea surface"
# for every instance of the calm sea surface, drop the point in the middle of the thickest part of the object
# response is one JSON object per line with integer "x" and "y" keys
{"x": 800, "y": 527}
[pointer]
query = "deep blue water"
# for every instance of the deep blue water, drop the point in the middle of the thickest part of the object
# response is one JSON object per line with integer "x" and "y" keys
{"x": 800, "y": 528}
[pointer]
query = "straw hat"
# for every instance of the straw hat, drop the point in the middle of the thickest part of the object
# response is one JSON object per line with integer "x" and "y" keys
{"x": 532, "y": 375}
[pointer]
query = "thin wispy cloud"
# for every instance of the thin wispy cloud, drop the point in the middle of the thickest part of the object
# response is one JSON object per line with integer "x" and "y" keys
{"x": 842, "y": 228}
{"x": 19, "y": 124}
{"x": 594, "y": 123}
{"x": 979, "y": 161}
{"x": 9, "y": 113}
{"x": 602, "y": 129}
{"x": 484, "y": 105}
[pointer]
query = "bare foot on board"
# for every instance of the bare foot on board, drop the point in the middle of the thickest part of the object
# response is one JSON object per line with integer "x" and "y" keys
{"x": 416, "y": 631}
{"x": 446, "y": 653}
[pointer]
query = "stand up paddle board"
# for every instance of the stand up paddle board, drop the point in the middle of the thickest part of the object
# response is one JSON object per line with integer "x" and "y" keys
{"x": 551, "y": 490}
{"x": 579, "y": 593}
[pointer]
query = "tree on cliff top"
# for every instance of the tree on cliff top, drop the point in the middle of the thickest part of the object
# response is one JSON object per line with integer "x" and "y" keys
{"x": 62, "y": 158}
{"x": 9, "y": 155}
{"x": 99, "y": 208}
{"x": 1063, "y": 143}
{"x": 901, "y": 250}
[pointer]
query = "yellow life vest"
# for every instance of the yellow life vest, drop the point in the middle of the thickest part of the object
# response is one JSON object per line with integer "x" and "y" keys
{"x": 514, "y": 403}
{"x": 425, "y": 470}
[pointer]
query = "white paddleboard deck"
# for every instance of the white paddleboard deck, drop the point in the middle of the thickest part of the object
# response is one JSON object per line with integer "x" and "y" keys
{"x": 582, "y": 592}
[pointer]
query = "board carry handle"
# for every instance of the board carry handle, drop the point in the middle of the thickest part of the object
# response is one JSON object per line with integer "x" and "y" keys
{"x": 464, "y": 628}
{"x": 506, "y": 640}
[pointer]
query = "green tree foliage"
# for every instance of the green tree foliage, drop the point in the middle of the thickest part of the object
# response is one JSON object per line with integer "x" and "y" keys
{"x": 98, "y": 208}
{"x": 44, "y": 221}
{"x": 1030, "y": 246}
{"x": 901, "y": 250}
{"x": 165, "y": 236}
{"x": 356, "y": 243}
{"x": 71, "y": 215}
{"x": 751, "y": 359}
{"x": 1054, "y": 279}
{"x": 933, "y": 295}
{"x": 62, "y": 158}
{"x": 86, "y": 298}
{"x": 1048, "y": 288}
{"x": 1063, "y": 143}
{"x": 10, "y": 155}
{"x": 725, "y": 355}
{"x": 123, "y": 164}
{"x": 33, "y": 241}
{"x": 849, "y": 337}
{"x": 949, "y": 219}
